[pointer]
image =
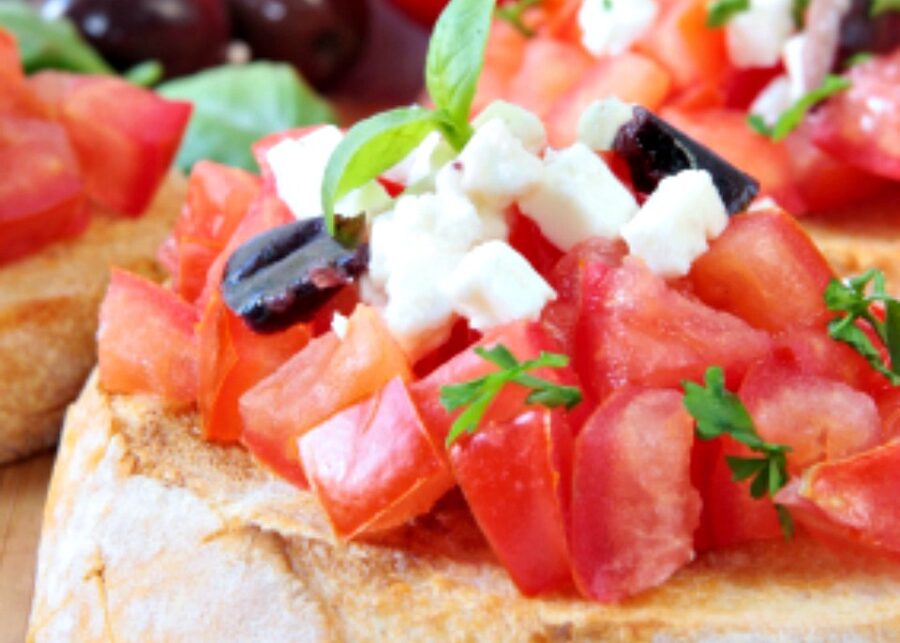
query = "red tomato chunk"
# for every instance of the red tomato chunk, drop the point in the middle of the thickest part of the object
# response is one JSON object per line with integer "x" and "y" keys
{"x": 634, "y": 510}
{"x": 374, "y": 466}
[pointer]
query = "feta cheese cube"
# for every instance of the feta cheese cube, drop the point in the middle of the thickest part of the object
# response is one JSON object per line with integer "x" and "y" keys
{"x": 578, "y": 197}
{"x": 609, "y": 27}
{"x": 298, "y": 165}
{"x": 496, "y": 168}
{"x": 522, "y": 124}
{"x": 793, "y": 54}
{"x": 756, "y": 36}
{"x": 601, "y": 121}
{"x": 675, "y": 223}
{"x": 495, "y": 285}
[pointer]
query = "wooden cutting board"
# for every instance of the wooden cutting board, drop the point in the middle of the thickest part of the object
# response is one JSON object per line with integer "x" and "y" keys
{"x": 23, "y": 487}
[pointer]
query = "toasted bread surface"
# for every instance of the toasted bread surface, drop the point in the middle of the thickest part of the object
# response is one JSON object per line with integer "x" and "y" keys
{"x": 48, "y": 317}
{"x": 151, "y": 534}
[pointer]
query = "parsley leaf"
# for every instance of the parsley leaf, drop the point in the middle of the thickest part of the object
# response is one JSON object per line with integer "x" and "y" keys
{"x": 720, "y": 412}
{"x": 883, "y": 6}
{"x": 478, "y": 394}
{"x": 793, "y": 116}
{"x": 853, "y": 299}
{"x": 719, "y": 12}
{"x": 512, "y": 13}
{"x": 454, "y": 63}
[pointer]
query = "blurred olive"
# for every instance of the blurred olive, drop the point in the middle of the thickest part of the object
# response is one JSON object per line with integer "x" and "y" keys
{"x": 184, "y": 35}
{"x": 322, "y": 38}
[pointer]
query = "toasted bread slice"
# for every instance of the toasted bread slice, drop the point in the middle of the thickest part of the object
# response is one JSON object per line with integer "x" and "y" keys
{"x": 48, "y": 317}
{"x": 151, "y": 534}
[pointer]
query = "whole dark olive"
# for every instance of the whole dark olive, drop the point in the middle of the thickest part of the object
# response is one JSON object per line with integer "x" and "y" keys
{"x": 322, "y": 38}
{"x": 862, "y": 33}
{"x": 184, "y": 35}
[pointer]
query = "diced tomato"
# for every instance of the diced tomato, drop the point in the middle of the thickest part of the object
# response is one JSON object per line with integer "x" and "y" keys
{"x": 217, "y": 201}
{"x": 461, "y": 338}
{"x": 819, "y": 419}
{"x": 726, "y": 132}
{"x": 125, "y": 138}
{"x": 635, "y": 329}
{"x": 862, "y": 124}
{"x": 826, "y": 183}
{"x": 327, "y": 376}
{"x": 502, "y": 58}
{"x": 859, "y": 495}
{"x": 765, "y": 269}
{"x": 374, "y": 466}
{"x": 233, "y": 359}
{"x": 813, "y": 352}
{"x": 731, "y": 515}
{"x": 632, "y": 77}
{"x": 512, "y": 478}
{"x": 681, "y": 42}
{"x": 526, "y": 340}
{"x": 888, "y": 402}
{"x": 146, "y": 340}
{"x": 740, "y": 87}
{"x": 634, "y": 510}
{"x": 41, "y": 195}
{"x": 549, "y": 69}
{"x": 16, "y": 98}
{"x": 526, "y": 237}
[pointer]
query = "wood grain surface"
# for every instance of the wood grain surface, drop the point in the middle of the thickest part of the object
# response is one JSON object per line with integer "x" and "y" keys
{"x": 22, "y": 490}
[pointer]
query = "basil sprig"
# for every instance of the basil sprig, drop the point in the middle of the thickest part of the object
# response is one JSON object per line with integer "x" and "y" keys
{"x": 454, "y": 63}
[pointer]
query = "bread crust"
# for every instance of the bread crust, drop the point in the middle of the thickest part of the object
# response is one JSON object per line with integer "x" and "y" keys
{"x": 48, "y": 317}
{"x": 151, "y": 534}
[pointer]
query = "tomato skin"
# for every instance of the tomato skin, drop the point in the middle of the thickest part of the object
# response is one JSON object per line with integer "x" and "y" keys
{"x": 861, "y": 125}
{"x": 16, "y": 98}
{"x": 41, "y": 195}
{"x": 636, "y": 329}
{"x": 765, "y": 269}
{"x": 327, "y": 376}
{"x": 374, "y": 465}
{"x": 511, "y": 477}
{"x": 819, "y": 419}
{"x": 625, "y": 494}
{"x": 858, "y": 495}
{"x": 146, "y": 340}
{"x": 525, "y": 340}
{"x": 632, "y": 77}
{"x": 124, "y": 155}
{"x": 217, "y": 201}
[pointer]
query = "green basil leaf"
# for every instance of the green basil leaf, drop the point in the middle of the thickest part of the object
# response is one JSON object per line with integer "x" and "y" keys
{"x": 745, "y": 468}
{"x": 49, "y": 43}
{"x": 456, "y": 56}
{"x": 892, "y": 332}
{"x": 720, "y": 12}
{"x": 145, "y": 74}
{"x": 798, "y": 10}
{"x": 371, "y": 147}
{"x": 236, "y": 105}
{"x": 883, "y": 6}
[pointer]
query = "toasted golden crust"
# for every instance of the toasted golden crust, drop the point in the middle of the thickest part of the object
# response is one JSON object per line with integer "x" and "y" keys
{"x": 150, "y": 534}
{"x": 48, "y": 317}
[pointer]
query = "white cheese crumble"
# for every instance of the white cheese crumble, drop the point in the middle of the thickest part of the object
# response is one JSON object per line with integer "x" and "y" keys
{"x": 792, "y": 55}
{"x": 578, "y": 197}
{"x": 495, "y": 285}
{"x": 755, "y": 37}
{"x": 773, "y": 100}
{"x": 601, "y": 121}
{"x": 496, "y": 167}
{"x": 298, "y": 166}
{"x": 609, "y": 27}
{"x": 675, "y": 223}
{"x": 521, "y": 123}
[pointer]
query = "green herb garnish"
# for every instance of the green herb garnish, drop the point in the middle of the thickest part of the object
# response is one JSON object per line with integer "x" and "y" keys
{"x": 454, "y": 63}
{"x": 798, "y": 10}
{"x": 720, "y": 412}
{"x": 794, "y": 115}
{"x": 858, "y": 59}
{"x": 478, "y": 394}
{"x": 854, "y": 298}
{"x": 512, "y": 13}
{"x": 720, "y": 12}
{"x": 883, "y": 6}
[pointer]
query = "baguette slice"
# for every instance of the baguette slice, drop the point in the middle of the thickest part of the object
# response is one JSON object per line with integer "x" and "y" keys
{"x": 48, "y": 317}
{"x": 151, "y": 534}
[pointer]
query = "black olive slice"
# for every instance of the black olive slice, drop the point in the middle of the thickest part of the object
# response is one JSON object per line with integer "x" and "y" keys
{"x": 654, "y": 150}
{"x": 284, "y": 275}
{"x": 862, "y": 33}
